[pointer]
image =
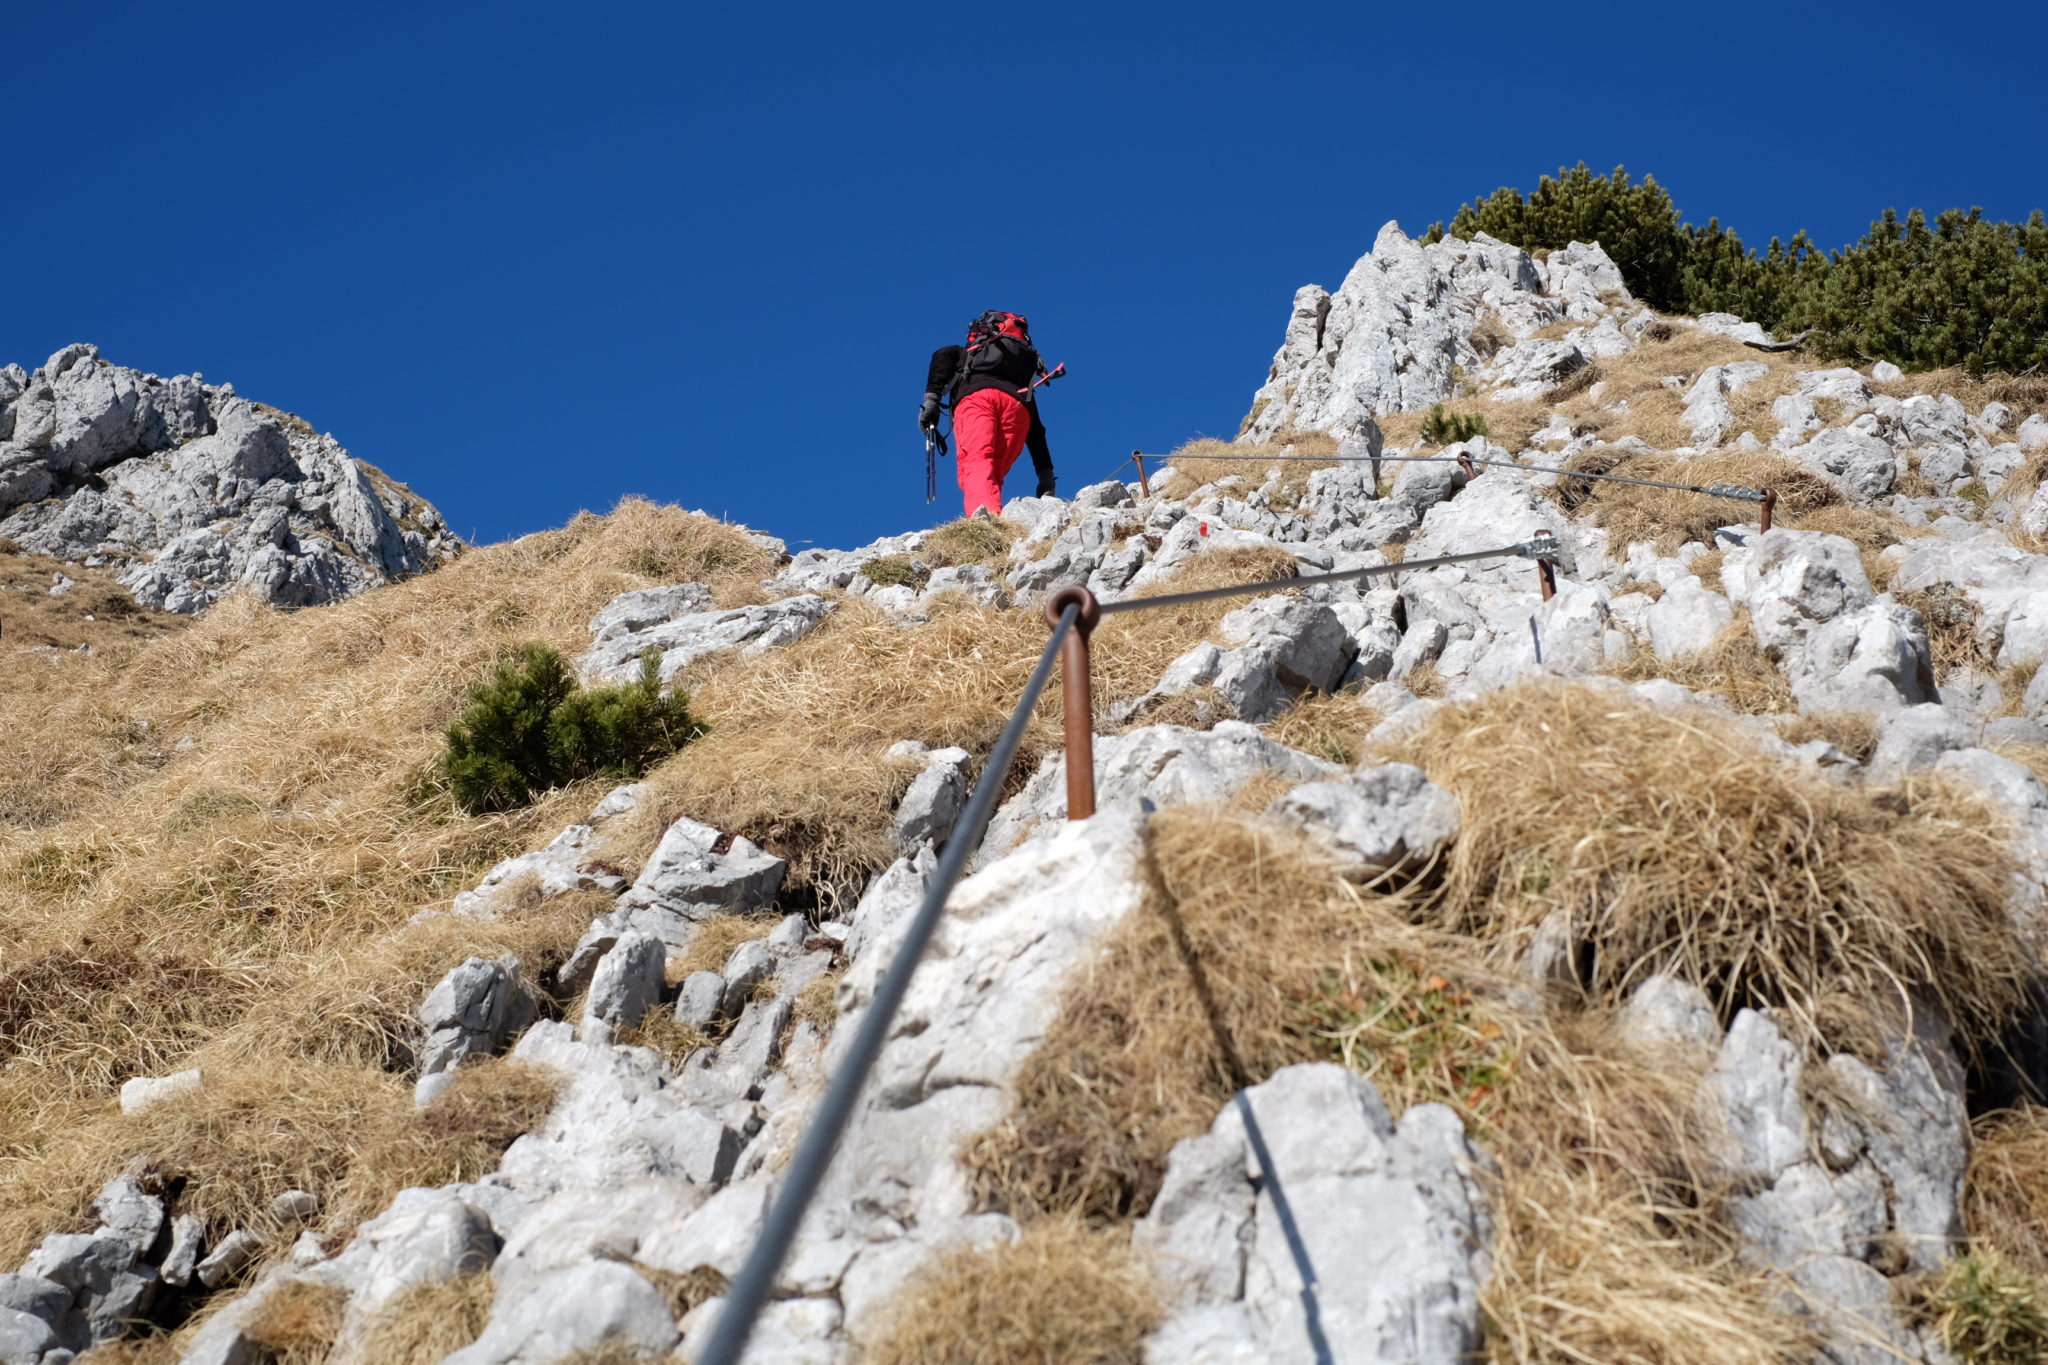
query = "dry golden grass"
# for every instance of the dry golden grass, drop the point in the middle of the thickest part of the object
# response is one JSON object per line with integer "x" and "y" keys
{"x": 684, "y": 1290}
{"x": 2005, "y": 1194}
{"x": 296, "y": 1323}
{"x": 1062, "y": 1294}
{"x": 1508, "y": 425}
{"x": 2022, "y": 393}
{"x": 1656, "y": 414}
{"x": 1668, "y": 517}
{"x": 1575, "y": 383}
{"x": 1253, "y": 954}
{"x": 1853, "y": 732}
{"x": 1951, "y": 617}
{"x": 211, "y": 854}
{"x": 1331, "y": 727}
{"x": 1599, "y": 1267}
{"x": 970, "y": 540}
{"x": 2020, "y": 485}
{"x": 427, "y": 1323}
{"x": 1133, "y": 1064}
{"x": 346, "y": 1133}
{"x": 96, "y": 610}
{"x": 1668, "y": 842}
{"x": 1511, "y": 425}
{"x": 1734, "y": 666}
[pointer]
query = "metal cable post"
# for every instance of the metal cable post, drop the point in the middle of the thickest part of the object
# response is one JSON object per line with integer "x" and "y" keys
{"x": 1077, "y": 695}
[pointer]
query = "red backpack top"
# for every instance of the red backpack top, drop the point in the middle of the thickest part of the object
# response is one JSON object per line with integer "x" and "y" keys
{"x": 992, "y": 324}
{"x": 998, "y": 347}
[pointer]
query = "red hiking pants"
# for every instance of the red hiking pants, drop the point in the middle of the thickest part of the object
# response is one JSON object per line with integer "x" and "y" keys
{"x": 989, "y": 428}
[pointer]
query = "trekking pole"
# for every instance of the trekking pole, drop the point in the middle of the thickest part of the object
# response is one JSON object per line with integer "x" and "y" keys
{"x": 934, "y": 446}
{"x": 1056, "y": 372}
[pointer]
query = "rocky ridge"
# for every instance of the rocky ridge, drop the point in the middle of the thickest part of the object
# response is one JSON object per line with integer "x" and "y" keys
{"x": 189, "y": 491}
{"x": 1307, "y": 1222}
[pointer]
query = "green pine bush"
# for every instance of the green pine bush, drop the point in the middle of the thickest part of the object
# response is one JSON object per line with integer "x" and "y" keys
{"x": 1963, "y": 291}
{"x": 529, "y": 727}
{"x": 1442, "y": 428}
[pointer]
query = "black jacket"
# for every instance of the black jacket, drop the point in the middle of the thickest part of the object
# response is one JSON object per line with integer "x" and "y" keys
{"x": 1002, "y": 363}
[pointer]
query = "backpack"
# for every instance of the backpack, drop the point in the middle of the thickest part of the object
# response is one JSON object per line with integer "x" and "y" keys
{"x": 992, "y": 339}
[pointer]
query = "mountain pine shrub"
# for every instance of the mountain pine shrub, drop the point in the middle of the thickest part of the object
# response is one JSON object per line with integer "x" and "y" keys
{"x": 1961, "y": 291}
{"x": 529, "y": 727}
{"x": 1442, "y": 428}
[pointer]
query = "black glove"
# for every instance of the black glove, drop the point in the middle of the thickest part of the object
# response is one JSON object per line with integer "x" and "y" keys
{"x": 1045, "y": 485}
{"x": 928, "y": 415}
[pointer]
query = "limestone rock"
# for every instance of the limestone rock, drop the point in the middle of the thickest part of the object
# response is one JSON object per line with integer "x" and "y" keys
{"x": 475, "y": 1010}
{"x": 1387, "y": 339}
{"x": 618, "y": 1120}
{"x": 1665, "y": 1009}
{"x": 1307, "y": 1225}
{"x": 626, "y": 985}
{"x": 933, "y": 801}
{"x": 188, "y": 1244}
{"x": 1385, "y": 819}
{"x": 1287, "y": 646}
{"x": 1855, "y": 459}
{"x": 126, "y": 1211}
{"x": 632, "y": 612}
{"x": 580, "y": 1308}
{"x": 1706, "y": 403}
{"x": 109, "y": 1284}
{"x": 691, "y": 874}
{"x": 978, "y": 1006}
{"x": 1753, "y": 1090}
{"x": 24, "y": 1338}
{"x": 1687, "y": 620}
{"x": 699, "y": 999}
{"x": 233, "y": 1252}
{"x": 749, "y": 965}
{"x": 139, "y": 1093}
{"x": 194, "y": 492}
{"x": 1165, "y": 765}
{"x": 425, "y": 1237}
{"x": 1915, "y": 738}
{"x": 570, "y": 862}
{"x": 1812, "y": 610}
{"x": 681, "y": 640}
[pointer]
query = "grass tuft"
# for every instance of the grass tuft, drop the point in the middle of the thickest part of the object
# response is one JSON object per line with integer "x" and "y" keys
{"x": 1062, "y": 1294}
{"x": 297, "y": 1323}
{"x": 1668, "y": 842}
{"x": 2005, "y": 1194}
{"x": 1734, "y": 668}
{"x": 429, "y": 1322}
{"x": 1988, "y": 1311}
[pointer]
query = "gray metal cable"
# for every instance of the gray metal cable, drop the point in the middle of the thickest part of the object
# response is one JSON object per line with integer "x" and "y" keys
{"x": 756, "y": 1281}
{"x": 813, "y": 1158}
{"x": 1543, "y": 546}
{"x": 1719, "y": 490}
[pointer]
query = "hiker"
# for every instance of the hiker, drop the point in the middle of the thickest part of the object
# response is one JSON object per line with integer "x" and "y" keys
{"x": 994, "y": 411}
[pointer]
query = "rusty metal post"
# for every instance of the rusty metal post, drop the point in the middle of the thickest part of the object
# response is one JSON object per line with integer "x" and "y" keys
{"x": 1546, "y": 575}
{"x": 1077, "y": 697}
{"x": 1144, "y": 484}
{"x": 1770, "y": 506}
{"x": 1465, "y": 463}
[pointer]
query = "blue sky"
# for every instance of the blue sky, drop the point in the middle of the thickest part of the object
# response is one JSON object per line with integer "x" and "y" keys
{"x": 533, "y": 258}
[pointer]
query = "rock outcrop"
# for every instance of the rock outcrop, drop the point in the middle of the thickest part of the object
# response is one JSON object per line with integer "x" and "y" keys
{"x": 1409, "y": 316}
{"x": 191, "y": 491}
{"x": 694, "y": 1023}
